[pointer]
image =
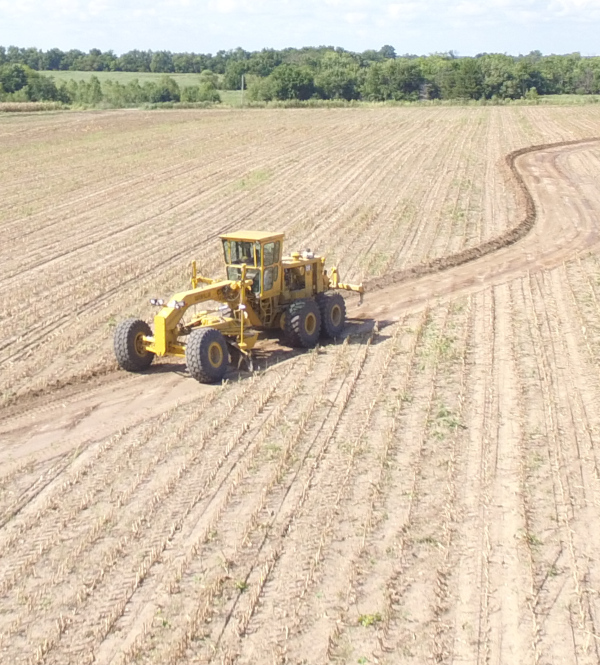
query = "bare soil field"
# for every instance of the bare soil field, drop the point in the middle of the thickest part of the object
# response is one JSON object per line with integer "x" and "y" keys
{"x": 425, "y": 491}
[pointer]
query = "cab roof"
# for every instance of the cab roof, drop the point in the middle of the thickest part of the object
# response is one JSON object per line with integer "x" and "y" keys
{"x": 252, "y": 236}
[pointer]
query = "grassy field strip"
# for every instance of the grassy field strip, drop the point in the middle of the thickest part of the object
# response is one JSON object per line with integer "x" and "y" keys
{"x": 123, "y": 77}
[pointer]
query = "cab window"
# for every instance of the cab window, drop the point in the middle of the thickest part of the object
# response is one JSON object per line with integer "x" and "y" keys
{"x": 238, "y": 251}
{"x": 270, "y": 278}
{"x": 271, "y": 253}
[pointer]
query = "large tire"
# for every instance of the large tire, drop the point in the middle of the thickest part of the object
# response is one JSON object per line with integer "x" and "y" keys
{"x": 303, "y": 323}
{"x": 207, "y": 355}
{"x": 129, "y": 350}
{"x": 333, "y": 314}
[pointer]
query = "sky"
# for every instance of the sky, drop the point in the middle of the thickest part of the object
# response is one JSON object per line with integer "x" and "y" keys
{"x": 466, "y": 27}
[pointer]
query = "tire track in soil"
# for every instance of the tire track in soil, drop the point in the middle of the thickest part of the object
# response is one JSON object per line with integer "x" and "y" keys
{"x": 558, "y": 236}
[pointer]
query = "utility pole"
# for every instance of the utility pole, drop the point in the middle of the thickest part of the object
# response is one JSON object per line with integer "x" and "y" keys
{"x": 242, "y": 91}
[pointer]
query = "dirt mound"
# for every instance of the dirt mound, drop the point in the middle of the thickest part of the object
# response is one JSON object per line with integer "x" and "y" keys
{"x": 510, "y": 237}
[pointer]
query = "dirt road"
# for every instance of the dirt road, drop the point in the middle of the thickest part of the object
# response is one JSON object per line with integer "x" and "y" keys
{"x": 420, "y": 493}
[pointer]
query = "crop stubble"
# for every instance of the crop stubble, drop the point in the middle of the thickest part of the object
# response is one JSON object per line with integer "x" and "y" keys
{"x": 419, "y": 493}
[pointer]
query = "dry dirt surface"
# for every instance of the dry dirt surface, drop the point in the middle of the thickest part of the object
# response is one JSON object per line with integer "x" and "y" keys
{"x": 425, "y": 491}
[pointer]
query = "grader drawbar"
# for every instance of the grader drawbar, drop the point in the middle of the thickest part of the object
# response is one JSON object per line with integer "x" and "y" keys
{"x": 263, "y": 291}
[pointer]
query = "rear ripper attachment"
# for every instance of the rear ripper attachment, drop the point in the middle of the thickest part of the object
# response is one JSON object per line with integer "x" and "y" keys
{"x": 263, "y": 290}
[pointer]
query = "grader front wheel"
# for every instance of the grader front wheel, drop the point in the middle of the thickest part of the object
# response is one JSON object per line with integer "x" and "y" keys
{"x": 207, "y": 355}
{"x": 129, "y": 346}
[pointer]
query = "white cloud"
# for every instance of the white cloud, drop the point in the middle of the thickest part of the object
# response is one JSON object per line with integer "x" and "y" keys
{"x": 355, "y": 17}
{"x": 470, "y": 9}
{"x": 405, "y": 10}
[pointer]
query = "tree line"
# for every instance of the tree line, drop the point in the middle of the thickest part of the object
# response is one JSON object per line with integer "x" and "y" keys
{"x": 299, "y": 74}
{"x": 20, "y": 83}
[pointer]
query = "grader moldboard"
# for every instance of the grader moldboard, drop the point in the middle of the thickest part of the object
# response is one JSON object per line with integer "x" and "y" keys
{"x": 263, "y": 291}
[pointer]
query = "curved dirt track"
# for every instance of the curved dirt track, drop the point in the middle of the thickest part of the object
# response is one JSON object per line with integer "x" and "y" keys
{"x": 418, "y": 494}
{"x": 559, "y": 221}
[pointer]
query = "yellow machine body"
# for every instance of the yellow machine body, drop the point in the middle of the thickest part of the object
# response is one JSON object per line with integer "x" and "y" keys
{"x": 260, "y": 285}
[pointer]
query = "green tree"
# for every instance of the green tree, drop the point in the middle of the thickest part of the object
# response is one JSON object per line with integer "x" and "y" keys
{"x": 135, "y": 61}
{"x": 399, "y": 79}
{"x": 234, "y": 70}
{"x": 264, "y": 62}
{"x": 42, "y": 88}
{"x": 94, "y": 93}
{"x": 164, "y": 90}
{"x": 460, "y": 79}
{"x": 292, "y": 82}
{"x": 13, "y": 77}
{"x": 388, "y": 52}
{"x": 468, "y": 82}
{"x": 338, "y": 76}
{"x": 162, "y": 61}
{"x": 260, "y": 89}
{"x": 206, "y": 76}
{"x": 205, "y": 92}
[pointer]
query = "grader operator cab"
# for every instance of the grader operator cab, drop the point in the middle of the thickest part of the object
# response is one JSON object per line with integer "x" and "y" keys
{"x": 263, "y": 290}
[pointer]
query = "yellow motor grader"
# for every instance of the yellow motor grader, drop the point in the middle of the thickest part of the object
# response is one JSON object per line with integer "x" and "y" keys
{"x": 263, "y": 290}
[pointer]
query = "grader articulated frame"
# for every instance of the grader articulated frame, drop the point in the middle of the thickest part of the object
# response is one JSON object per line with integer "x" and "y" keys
{"x": 263, "y": 291}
